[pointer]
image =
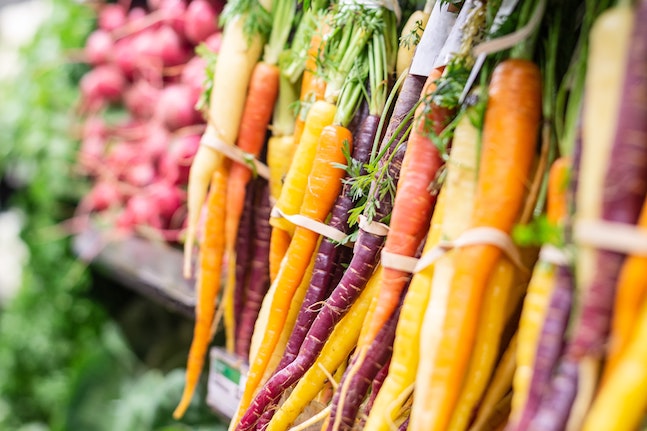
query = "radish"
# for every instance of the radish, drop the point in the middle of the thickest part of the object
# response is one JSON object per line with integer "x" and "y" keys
{"x": 125, "y": 56}
{"x": 141, "y": 98}
{"x": 172, "y": 50}
{"x": 141, "y": 173}
{"x": 200, "y": 21}
{"x": 214, "y": 42}
{"x": 102, "y": 84}
{"x": 166, "y": 196}
{"x": 174, "y": 12}
{"x": 120, "y": 157}
{"x": 136, "y": 14}
{"x": 111, "y": 17}
{"x": 99, "y": 47}
{"x": 156, "y": 142}
{"x": 141, "y": 210}
{"x": 104, "y": 195}
{"x": 194, "y": 73}
{"x": 176, "y": 107}
{"x": 175, "y": 164}
{"x": 91, "y": 151}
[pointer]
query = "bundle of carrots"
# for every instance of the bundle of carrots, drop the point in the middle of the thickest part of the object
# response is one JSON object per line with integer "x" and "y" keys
{"x": 414, "y": 257}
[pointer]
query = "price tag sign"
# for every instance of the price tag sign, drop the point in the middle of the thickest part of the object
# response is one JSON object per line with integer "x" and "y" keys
{"x": 227, "y": 376}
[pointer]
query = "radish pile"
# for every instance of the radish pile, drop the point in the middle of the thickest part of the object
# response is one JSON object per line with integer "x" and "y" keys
{"x": 145, "y": 73}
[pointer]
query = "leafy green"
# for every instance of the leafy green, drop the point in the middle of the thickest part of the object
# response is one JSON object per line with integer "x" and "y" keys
{"x": 210, "y": 58}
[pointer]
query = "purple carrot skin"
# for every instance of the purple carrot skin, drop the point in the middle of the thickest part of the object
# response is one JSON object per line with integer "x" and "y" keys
{"x": 549, "y": 347}
{"x": 259, "y": 277}
{"x": 243, "y": 255}
{"x": 380, "y": 352}
{"x": 551, "y": 415}
{"x": 366, "y": 254}
{"x": 377, "y": 385}
{"x": 329, "y": 255}
{"x": 404, "y": 425}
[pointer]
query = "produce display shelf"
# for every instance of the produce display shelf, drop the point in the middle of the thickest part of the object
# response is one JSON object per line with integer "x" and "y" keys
{"x": 153, "y": 269}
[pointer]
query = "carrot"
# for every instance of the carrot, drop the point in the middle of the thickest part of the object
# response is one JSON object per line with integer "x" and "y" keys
{"x": 208, "y": 285}
{"x": 509, "y": 138}
{"x": 349, "y": 395}
{"x": 322, "y": 188}
{"x": 244, "y": 251}
{"x": 330, "y": 254}
{"x": 263, "y": 90}
{"x": 259, "y": 273}
{"x": 459, "y": 189}
{"x": 413, "y": 203}
{"x": 239, "y": 53}
{"x": 336, "y": 350}
{"x": 401, "y": 373}
{"x": 536, "y": 302}
{"x": 630, "y": 296}
{"x": 620, "y": 404}
{"x": 280, "y": 150}
{"x": 410, "y": 35}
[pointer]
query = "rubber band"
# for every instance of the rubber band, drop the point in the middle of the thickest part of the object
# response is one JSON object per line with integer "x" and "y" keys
{"x": 312, "y": 225}
{"x": 374, "y": 227}
{"x": 474, "y": 236}
{"x": 554, "y": 255}
{"x": 209, "y": 139}
{"x": 619, "y": 237}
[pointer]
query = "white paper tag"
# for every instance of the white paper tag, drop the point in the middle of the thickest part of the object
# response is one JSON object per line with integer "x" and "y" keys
{"x": 226, "y": 383}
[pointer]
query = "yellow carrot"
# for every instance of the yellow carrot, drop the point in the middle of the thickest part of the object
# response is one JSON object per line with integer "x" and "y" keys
{"x": 336, "y": 350}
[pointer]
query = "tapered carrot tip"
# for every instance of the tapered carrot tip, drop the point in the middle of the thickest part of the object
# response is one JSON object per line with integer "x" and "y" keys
{"x": 181, "y": 408}
{"x": 187, "y": 270}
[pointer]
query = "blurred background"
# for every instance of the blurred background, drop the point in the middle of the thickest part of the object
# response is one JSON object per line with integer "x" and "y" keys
{"x": 95, "y": 322}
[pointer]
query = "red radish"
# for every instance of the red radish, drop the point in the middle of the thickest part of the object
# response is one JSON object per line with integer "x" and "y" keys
{"x": 104, "y": 83}
{"x": 200, "y": 21}
{"x": 104, "y": 195}
{"x": 156, "y": 142}
{"x": 136, "y": 14}
{"x": 145, "y": 46}
{"x": 141, "y": 98}
{"x": 175, "y": 165}
{"x": 91, "y": 151}
{"x": 194, "y": 73}
{"x": 140, "y": 173}
{"x": 142, "y": 210}
{"x": 120, "y": 156}
{"x": 98, "y": 47}
{"x": 172, "y": 50}
{"x": 111, "y": 17}
{"x": 174, "y": 11}
{"x": 214, "y": 41}
{"x": 125, "y": 56}
{"x": 94, "y": 126}
{"x": 166, "y": 196}
{"x": 176, "y": 107}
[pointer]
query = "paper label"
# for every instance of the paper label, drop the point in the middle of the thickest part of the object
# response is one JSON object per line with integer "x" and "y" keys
{"x": 226, "y": 383}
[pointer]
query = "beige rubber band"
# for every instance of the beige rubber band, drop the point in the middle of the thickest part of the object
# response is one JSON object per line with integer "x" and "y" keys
{"x": 554, "y": 255}
{"x": 209, "y": 139}
{"x": 512, "y": 39}
{"x": 374, "y": 227}
{"x": 612, "y": 236}
{"x": 312, "y": 225}
{"x": 474, "y": 236}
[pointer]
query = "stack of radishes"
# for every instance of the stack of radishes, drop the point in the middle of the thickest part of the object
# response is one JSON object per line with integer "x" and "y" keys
{"x": 144, "y": 64}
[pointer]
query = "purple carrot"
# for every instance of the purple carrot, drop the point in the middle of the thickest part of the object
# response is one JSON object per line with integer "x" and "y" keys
{"x": 404, "y": 425}
{"x": 357, "y": 382}
{"x": 243, "y": 256}
{"x": 551, "y": 414}
{"x": 259, "y": 277}
{"x": 549, "y": 346}
{"x": 328, "y": 259}
{"x": 377, "y": 385}
{"x": 366, "y": 254}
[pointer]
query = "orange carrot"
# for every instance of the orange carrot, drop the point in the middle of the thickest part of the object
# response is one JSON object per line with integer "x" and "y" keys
{"x": 261, "y": 96}
{"x": 208, "y": 283}
{"x": 630, "y": 297}
{"x": 313, "y": 87}
{"x": 279, "y": 243}
{"x": 509, "y": 138}
{"x": 414, "y": 203}
{"x": 323, "y": 187}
